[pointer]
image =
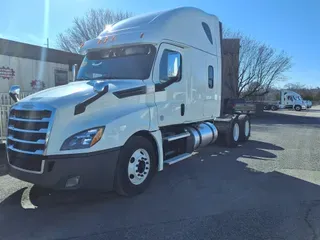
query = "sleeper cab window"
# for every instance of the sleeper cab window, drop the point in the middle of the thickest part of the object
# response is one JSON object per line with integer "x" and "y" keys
{"x": 210, "y": 77}
{"x": 170, "y": 65}
{"x": 207, "y": 30}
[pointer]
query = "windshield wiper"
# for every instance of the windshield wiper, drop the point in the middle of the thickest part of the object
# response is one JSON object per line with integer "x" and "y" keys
{"x": 105, "y": 77}
{"x": 84, "y": 78}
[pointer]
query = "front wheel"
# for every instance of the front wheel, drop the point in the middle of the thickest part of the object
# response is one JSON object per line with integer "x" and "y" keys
{"x": 136, "y": 166}
{"x": 297, "y": 108}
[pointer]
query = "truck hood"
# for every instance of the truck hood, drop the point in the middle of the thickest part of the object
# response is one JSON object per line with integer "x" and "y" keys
{"x": 76, "y": 92}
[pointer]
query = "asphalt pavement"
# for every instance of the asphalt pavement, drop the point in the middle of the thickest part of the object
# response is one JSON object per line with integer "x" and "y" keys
{"x": 267, "y": 188}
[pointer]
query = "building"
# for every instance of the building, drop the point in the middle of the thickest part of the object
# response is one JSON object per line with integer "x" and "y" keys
{"x": 34, "y": 67}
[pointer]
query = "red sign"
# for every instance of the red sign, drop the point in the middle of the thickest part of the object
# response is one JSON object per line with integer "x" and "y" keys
{"x": 6, "y": 73}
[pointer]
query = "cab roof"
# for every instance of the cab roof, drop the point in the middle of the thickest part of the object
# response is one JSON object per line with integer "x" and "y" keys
{"x": 186, "y": 25}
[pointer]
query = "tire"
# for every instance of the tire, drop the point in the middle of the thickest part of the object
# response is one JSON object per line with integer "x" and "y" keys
{"x": 273, "y": 108}
{"x": 245, "y": 128}
{"x": 297, "y": 108}
{"x": 137, "y": 157}
{"x": 229, "y": 139}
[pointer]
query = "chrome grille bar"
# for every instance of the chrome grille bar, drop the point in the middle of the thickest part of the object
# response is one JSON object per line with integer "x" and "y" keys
{"x": 41, "y": 141}
{"x": 42, "y": 130}
{"x": 29, "y": 127}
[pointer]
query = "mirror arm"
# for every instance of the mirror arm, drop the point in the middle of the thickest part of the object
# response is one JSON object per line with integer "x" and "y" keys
{"x": 14, "y": 97}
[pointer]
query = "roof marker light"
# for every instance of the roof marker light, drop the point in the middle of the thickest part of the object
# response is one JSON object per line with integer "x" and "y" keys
{"x": 81, "y": 45}
{"x": 105, "y": 40}
{"x": 99, "y": 41}
{"x": 113, "y": 38}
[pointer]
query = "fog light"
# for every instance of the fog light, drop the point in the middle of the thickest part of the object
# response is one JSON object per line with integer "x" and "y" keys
{"x": 72, "y": 182}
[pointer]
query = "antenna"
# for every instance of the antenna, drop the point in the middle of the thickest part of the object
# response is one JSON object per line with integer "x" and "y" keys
{"x": 47, "y": 44}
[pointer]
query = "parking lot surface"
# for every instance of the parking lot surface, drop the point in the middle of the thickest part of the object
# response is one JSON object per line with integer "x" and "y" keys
{"x": 267, "y": 188}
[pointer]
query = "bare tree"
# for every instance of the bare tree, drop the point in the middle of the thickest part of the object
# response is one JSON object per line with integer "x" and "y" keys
{"x": 259, "y": 66}
{"x": 88, "y": 27}
{"x": 294, "y": 86}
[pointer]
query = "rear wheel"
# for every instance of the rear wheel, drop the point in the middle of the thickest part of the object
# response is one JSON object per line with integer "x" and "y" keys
{"x": 136, "y": 166}
{"x": 245, "y": 128}
{"x": 232, "y": 135}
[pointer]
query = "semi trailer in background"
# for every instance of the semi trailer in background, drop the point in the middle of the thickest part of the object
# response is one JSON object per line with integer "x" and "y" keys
{"x": 148, "y": 93}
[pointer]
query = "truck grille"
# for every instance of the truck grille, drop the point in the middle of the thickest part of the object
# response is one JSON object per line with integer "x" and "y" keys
{"x": 27, "y": 134}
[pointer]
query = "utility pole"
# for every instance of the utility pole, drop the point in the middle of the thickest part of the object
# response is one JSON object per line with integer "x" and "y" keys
{"x": 47, "y": 44}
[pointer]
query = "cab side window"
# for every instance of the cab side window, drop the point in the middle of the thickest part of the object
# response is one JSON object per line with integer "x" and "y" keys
{"x": 170, "y": 65}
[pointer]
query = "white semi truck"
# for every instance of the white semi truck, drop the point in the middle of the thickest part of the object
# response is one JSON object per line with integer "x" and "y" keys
{"x": 147, "y": 93}
{"x": 292, "y": 100}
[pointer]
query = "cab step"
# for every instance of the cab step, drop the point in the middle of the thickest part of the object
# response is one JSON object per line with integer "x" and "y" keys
{"x": 176, "y": 137}
{"x": 178, "y": 158}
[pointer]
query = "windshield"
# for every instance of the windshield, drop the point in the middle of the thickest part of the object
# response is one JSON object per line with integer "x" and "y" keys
{"x": 134, "y": 62}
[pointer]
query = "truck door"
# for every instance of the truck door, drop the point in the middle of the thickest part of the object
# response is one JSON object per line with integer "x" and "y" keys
{"x": 170, "y": 96}
{"x": 288, "y": 101}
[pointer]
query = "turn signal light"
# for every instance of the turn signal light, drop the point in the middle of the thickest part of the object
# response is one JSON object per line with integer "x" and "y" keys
{"x": 97, "y": 137}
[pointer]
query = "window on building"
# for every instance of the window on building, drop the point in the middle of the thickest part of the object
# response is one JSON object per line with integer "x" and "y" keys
{"x": 170, "y": 65}
{"x": 60, "y": 77}
{"x": 210, "y": 77}
{"x": 207, "y": 30}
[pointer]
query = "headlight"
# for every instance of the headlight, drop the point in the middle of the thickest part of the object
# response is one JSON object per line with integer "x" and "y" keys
{"x": 83, "y": 139}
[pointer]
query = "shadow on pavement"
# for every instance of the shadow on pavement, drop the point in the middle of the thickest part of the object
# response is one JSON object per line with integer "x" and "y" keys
{"x": 270, "y": 118}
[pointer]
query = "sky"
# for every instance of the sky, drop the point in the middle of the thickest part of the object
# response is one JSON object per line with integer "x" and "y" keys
{"x": 289, "y": 25}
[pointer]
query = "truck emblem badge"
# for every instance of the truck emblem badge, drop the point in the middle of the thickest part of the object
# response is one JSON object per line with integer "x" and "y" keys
{"x": 27, "y": 106}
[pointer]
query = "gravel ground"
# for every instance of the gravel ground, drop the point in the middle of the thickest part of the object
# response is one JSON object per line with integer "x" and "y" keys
{"x": 266, "y": 189}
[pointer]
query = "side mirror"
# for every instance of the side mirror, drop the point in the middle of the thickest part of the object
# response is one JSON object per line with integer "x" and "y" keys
{"x": 74, "y": 71}
{"x": 174, "y": 66}
{"x": 14, "y": 92}
{"x": 177, "y": 77}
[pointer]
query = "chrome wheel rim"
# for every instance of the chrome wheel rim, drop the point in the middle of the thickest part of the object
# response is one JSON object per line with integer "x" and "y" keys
{"x": 139, "y": 166}
{"x": 247, "y": 128}
{"x": 236, "y": 132}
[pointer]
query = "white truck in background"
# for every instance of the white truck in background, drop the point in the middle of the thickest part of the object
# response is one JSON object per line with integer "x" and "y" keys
{"x": 147, "y": 93}
{"x": 292, "y": 100}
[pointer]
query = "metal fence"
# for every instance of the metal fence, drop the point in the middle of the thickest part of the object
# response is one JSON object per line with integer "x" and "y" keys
{"x": 5, "y": 104}
{"x": 4, "y": 115}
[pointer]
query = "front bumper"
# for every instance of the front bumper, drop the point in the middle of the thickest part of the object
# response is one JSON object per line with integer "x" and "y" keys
{"x": 96, "y": 170}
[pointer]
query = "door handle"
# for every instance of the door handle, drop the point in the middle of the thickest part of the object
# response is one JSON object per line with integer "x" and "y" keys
{"x": 182, "y": 109}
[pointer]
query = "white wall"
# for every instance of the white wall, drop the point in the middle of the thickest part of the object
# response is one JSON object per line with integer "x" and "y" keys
{"x": 27, "y": 70}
